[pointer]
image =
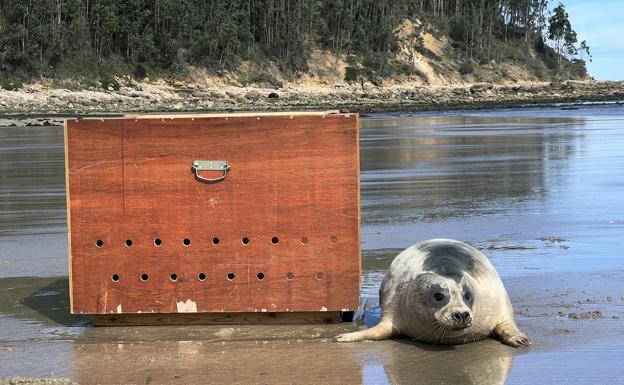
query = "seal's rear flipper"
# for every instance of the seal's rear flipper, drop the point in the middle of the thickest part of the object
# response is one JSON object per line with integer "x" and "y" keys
{"x": 381, "y": 331}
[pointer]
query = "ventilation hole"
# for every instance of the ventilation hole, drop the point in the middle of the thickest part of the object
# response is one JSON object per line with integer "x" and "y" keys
{"x": 115, "y": 278}
{"x": 245, "y": 241}
{"x": 144, "y": 277}
{"x": 129, "y": 242}
{"x": 215, "y": 241}
{"x": 305, "y": 240}
{"x": 290, "y": 276}
{"x": 333, "y": 239}
{"x": 260, "y": 276}
{"x": 186, "y": 242}
{"x": 99, "y": 243}
{"x": 173, "y": 277}
{"x": 275, "y": 240}
{"x": 320, "y": 275}
{"x": 157, "y": 242}
{"x": 231, "y": 276}
{"x": 201, "y": 277}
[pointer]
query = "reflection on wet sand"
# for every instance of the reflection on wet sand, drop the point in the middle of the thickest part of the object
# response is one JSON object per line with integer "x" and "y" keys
{"x": 32, "y": 180}
{"x": 486, "y": 362}
{"x": 201, "y": 362}
{"x": 190, "y": 354}
{"x": 431, "y": 168}
{"x": 275, "y": 361}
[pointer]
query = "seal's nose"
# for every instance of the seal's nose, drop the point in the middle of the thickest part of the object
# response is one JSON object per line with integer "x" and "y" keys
{"x": 461, "y": 316}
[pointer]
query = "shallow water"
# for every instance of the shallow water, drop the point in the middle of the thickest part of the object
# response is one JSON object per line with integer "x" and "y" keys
{"x": 504, "y": 180}
{"x": 538, "y": 190}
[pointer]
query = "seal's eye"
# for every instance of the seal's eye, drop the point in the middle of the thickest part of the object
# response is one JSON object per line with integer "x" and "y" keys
{"x": 468, "y": 296}
{"x": 438, "y": 297}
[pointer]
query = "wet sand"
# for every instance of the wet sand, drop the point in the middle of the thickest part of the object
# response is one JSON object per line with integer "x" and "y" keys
{"x": 538, "y": 191}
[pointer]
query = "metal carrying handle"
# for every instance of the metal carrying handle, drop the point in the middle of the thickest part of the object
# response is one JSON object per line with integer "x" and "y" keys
{"x": 210, "y": 165}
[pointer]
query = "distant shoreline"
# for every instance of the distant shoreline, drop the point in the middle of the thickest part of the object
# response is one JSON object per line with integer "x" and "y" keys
{"x": 162, "y": 97}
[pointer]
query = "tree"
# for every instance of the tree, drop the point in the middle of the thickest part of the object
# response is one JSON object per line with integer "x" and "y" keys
{"x": 87, "y": 37}
{"x": 561, "y": 32}
{"x": 585, "y": 48}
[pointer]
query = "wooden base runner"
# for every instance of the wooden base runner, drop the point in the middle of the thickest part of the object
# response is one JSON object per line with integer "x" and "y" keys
{"x": 221, "y": 318}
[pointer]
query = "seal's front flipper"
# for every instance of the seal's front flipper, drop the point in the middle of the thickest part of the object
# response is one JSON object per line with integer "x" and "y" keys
{"x": 509, "y": 334}
{"x": 381, "y": 331}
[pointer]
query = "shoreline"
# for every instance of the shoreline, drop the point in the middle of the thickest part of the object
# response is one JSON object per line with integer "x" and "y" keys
{"x": 191, "y": 97}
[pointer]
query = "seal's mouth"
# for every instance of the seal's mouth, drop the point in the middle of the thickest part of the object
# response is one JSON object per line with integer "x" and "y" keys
{"x": 461, "y": 326}
{"x": 456, "y": 326}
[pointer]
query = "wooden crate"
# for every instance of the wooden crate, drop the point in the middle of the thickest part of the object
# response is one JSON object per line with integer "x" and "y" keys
{"x": 278, "y": 233}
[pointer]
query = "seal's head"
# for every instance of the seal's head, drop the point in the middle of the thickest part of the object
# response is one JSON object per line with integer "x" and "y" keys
{"x": 446, "y": 302}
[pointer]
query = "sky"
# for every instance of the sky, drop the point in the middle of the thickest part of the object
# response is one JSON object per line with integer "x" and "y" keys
{"x": 601, "y": 23}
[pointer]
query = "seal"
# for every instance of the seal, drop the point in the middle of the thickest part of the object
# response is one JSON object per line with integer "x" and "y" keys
{"x": 443, "y": 291}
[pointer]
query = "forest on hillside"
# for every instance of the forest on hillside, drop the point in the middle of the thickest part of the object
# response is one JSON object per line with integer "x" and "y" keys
{"x": 72, "y": 37}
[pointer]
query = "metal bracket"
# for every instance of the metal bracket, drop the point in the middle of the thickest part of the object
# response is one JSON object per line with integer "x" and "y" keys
{"x": 210, "y": 165}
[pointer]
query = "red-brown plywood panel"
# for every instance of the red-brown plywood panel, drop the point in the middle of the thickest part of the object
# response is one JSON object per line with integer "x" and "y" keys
{"x": 292, "y": 177}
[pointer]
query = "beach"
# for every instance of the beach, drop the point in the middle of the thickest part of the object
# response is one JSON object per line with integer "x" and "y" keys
{"x": 538, "y": 190}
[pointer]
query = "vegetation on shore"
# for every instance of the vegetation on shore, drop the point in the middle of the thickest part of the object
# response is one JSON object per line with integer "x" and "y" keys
{"x": 96, "y": 41}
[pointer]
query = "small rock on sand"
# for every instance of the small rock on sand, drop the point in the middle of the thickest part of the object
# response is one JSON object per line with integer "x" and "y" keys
{"x": 552, "y": 239}
{"x": 253, "y": 95}
{"x": 586, "y": 315}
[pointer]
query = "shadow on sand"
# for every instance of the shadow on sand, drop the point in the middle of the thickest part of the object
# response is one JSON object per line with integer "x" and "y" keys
{"x": 44, "y": 300}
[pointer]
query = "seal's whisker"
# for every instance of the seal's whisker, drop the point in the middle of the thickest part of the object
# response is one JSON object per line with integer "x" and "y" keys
{"x": 440, "y": 334}
{"x": 432, "y": 334}
{"x": 443, "y": 336}
{"x": 439, "y": 331}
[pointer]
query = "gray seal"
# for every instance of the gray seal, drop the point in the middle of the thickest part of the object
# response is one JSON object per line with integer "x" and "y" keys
{"x": 443, "y": 291}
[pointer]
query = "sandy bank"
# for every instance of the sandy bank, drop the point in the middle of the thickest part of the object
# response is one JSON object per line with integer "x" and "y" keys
{"x": 178, "y": 96}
